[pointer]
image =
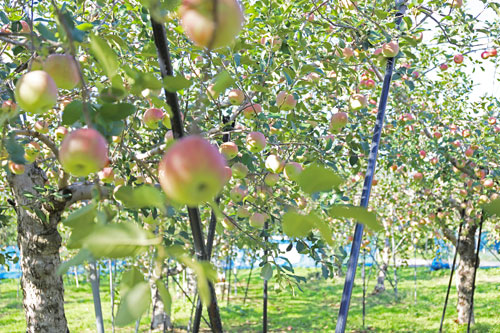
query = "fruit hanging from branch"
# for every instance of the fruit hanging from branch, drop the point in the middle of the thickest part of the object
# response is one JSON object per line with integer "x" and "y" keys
{"x": 63, "y": 69}
{"x": 36, "y": 92}
{"x": 192, "y": 171}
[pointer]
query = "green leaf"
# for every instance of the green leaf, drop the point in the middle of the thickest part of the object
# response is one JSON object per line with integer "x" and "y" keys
{"x": 130, "y": 278}
{"x": 45, "y": 33}
{"x": 267, "y": 272}
{"x": 223, "y": 80}
{"x": 165, "y": 297}
{"x": 133, "y": 304}
{"x": 84, "y": 215}
{"x": 175, "y": 83}
{"x": 317, "y": 178}
{"x": 493, "y": 207}
{"x": 85, "y": 26}
{"x": 72, "y": 112}
{"x": 360, "y": 214}
{"x": 115, "y": 112}
{"x": 105, "y": 55}
{"x": 15, "y": 150}
{"x": 325, "y": 231}
{"x": 119, "y": 240}
{"x": 141, "y": 197}
{"x": 79, "y": 259}
{"x": 297, "y": 225}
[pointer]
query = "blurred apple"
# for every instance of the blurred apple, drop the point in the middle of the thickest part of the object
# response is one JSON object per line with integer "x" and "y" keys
{"x": 36, "y": 92}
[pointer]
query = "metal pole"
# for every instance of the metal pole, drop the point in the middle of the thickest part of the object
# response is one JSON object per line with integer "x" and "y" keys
{"x": 367, "y": 186}
{"x": 94, "y": 282}
{"x": 264, "y": 298}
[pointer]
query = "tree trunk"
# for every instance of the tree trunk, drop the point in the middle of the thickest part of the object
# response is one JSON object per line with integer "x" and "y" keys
{"x": 465, "y": 271}
{"x": 380, "y": 286}
{"x": 159, "y": 319}
{"x": 39, "y": 243}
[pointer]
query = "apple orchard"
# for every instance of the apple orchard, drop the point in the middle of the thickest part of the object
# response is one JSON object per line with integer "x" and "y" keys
{"x": 173, "y": 133}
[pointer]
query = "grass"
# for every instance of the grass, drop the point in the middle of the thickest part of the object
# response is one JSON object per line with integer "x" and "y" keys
{"x": 312, "y": 310}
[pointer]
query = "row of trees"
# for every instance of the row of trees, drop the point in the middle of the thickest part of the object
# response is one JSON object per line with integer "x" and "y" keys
{"x": 291, "y": 102}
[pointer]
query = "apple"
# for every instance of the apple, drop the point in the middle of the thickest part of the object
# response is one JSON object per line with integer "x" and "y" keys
{"x": 63, "y": 69}
{"x": 292, "y": 170}
{"x": 469, "y": 152}
{"x": 485, "y": 54}
{"x": 9, "y": 108}
{"x": 169, "y": 136}
{"x": 192, "y": 171}
{"x": 83, "y": 151}
{"x": 256, "y": 142}
{"x": 17, "y": 169}
{"x": 25, "y": 27}
{"x": 257, "y": 220}
{"x": 237, "y": 194}
{"x": 227, "y": 224}
{"x": 492, "y": 120}
{"x": 61, "y": 132}
{"x": 242, "y": 212}
{"x": 391, "y": 49}
{"x": 488, "y": 183}
{"x": 418, "y": 176}
{"x": 492, "y": 53}
{"x": 212, "y": 92}
{"x": 274, "y": 163}
{"x": 434, "y": 160}
{"x": 393, "y": 167}
{"x": 271, "y": 179}
{"x": 229, "y": 150}
{"x": 36, "y": 92}
{"x": 437, "y": 135}
{"x": 239, "y": 170}
{"x": 368, "y": 83}
{"x": 42, "y": 127}
{"x": 208, "y": 30}
{"x": 285, "y": 101}
{"x": 228, "y": 174}
{"x": 106, "y": 175}
{"x": 422, "y": 154}
{"x": 236, "y": 97}
{"x": 466, "y": 133}
{"x": 456, "y": 3}
{"x": 358, "y": 101}
{"x": 418, "y": 37}
{"x": 443, "y": 67}
{"x": 151, "y": 117}
{"x": 458, "y": 58}
{"x": 338, "y": 122}
{"x": 456, "y": 143}
{"x": 251, "y": 111}
{"x": 31, "y": 151}
{"x": 347, "y": 52}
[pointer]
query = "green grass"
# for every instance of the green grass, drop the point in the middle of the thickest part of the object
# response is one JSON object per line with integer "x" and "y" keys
{"x": 312, "y": 310}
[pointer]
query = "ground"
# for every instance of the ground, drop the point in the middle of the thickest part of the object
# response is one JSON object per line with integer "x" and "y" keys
{"x": 312, "y": 310}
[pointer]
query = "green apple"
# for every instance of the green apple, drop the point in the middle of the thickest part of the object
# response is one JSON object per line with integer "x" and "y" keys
{"x": 63, "y": 69}
{"x": 36, "y": 92}
{"x": 256, "y": 142}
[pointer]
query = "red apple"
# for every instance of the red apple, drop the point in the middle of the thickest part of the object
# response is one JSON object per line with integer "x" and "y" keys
{"x": 9, "y": 108}
{"x": 437, "y": 135}
{"x": 151, "y": 117}
{"x": 391, "y": 49}
{"x": 192, "y": 171}
{"x": 492, "y": 52}
{"x": 236, "y": 97}
{"x": 422, "y": 153}
{"x": 434, "y": 160}
{"x": 492, "y": 120}
{"x": 36, "y": 92}
{"x": 485, "y": 54}
{"x": 458, "y": 58}
{"x": 106, "y": 175}
{"x": 418, "y": 176}
{"x": 256, "y": 142}
{"x": 169, "y": 136}
{"x": 17, "y": 169}
{"x": 61, "y": 132}
{"x": 25, "y": 27}
{"x": 285, "y": 101}
{"x": 207, "y": 30}
{"x": 368, "y": 83}
{"x": 63, "y": 69}
{"x": 83, "y": 152}
{"x": 229, "y": 150}
{"x": 488, "y": 183}
{"x": 469, "y": 152}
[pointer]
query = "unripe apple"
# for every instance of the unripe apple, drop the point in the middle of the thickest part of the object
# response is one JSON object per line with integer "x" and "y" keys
{"x": 358, "y": 101}
{"x": 206, "y": 30}
{"x": 36, "y": 92}
{"x": 257, "y": 220}
{"x": 151, "y": 117}
{"x": 285, "y": 101}
{"x": 391, "y": 49}
{"x": 227, "y": 224}
{"x": 242, "y": 212}
{"x": 458, "y": 58}
{"x": 42, "y": 127}
{"x": 31, "y": 151}
{"x": 274, "y": 163}
{"x": 239, "y": 170}
{"x": 106, "y": 175}
{"x": 63, "y": 69}
{"x": 192, "y": 171}
{"x": 61, "y": 132}
{"x": 237, "y": 194}
{"x": 271, "y": 179}
{"x": 292, "y": 170}
{"x": 251, "y": 111}
{"x": 229, "y": 150}
{"x": 17, "y": 169}
{"x": 418, "y": 176}
{"x": 256, "y": 142}
{"x": 83, "y": 152}
{"x": 236, "y": 96}
{"x": 338, "y": 122}
{"x": 443, "y": 67}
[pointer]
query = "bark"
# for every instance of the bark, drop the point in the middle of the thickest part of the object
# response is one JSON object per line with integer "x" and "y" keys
{"x": 380, "y": 286}
{"x": 465, "y": 272}
{"x": 39, "y": 243}
{"x": 160, "y": 321}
